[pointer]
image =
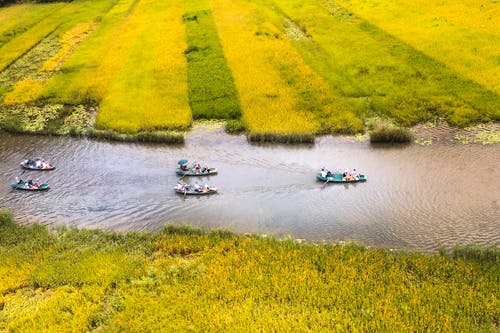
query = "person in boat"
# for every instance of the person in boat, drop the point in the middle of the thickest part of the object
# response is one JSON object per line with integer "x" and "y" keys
{"x": 197, "y": 187}
{"x": 323, "y": 172}
{"x": 205, "y": 168}
{"x": 197, "y": 168}
{"x": 354, "y": 174}
{"x": 181, "y": 185}
{"x": 183, "y": 167}
{"x": 206, "y": 188}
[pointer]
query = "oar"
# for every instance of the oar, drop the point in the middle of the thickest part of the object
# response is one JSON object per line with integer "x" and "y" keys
{"x": 190, "y": 168}
{"x": 327, "y": 180}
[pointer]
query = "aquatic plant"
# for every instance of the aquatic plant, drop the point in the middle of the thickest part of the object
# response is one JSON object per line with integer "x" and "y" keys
{"x": 155, "y": 137}
{"x": 234, "y": 126}
{"x": 390, "y": 134}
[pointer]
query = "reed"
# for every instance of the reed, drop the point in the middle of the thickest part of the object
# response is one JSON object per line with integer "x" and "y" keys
{"x": 234, "y": 126}
{"x": 386, "y": 133}
{"x": 288, "y": 138}
{"x": 152, "y": 137}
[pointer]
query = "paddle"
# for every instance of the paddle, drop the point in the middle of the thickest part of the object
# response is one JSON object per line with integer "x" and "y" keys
{"x": 190, "y": 168}
{"x": 324, "y": 184}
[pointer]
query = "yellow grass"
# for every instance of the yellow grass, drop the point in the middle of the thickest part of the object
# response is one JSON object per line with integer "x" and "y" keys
{"x": 18, "y": 46}
{"x": 69, "y": 41}
{"x": 24, "y": 91}
{"x": 88, "y": 71}
{"x": 462, "y": 34}
{"x": 268, "y": 103}
{"x": 15, "y": 19}
{"x": 154, "y": 94}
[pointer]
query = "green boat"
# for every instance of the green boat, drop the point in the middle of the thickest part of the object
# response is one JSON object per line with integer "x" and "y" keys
{"x": 338, "y": 178}
{"x": 26, "y": 187}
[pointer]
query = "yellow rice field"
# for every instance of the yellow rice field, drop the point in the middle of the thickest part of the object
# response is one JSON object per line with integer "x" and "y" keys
{"x": 87, "y": 72}
{"x": 463, "y": 34}
{"x": 268, "y": 103}
{"x": 69, "y": 41}
{"x": 154, "y": 94}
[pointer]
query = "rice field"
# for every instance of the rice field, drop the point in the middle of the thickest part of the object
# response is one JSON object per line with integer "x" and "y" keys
{"x": 182, "y": 279}
{"x": 462, "y": 34}
{"x": 212, "y": 94}
{"x": 153, "y": 95}
{"x": 280, "y": 69}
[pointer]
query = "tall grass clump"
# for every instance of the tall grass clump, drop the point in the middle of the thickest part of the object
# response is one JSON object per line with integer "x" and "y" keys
{"x": 153, "y": 137}
{"x": 384, "y": 131}
{"x": 153, "y": 95}
{"x": 288, "y": 138}
{"x": 234, "y": 126}
{"x": 212, "y": 94}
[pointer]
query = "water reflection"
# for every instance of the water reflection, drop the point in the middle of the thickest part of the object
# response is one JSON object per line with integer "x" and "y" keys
{"x": 415, "y": 196}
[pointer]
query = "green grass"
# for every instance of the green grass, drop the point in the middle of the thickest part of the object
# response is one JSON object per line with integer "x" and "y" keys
{"x": 185, "y": 279}
{"x": 212, "y": 94}
{"x": 378, "y": 74}
{"x": 280, "y": 67}
{"x": 154, "y": 137}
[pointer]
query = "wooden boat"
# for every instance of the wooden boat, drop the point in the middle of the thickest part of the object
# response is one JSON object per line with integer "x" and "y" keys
{"x": 193, "y": 172}
{"x": 189, "y": 190}
{"x": 24, "y": 186}
{"x": 184, "y": 170}
{"x": 33, "y": 165}
{"x": 337, "y": 178}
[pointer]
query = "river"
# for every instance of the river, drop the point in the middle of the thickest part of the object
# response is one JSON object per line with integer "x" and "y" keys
{"x": 416, "y": 197}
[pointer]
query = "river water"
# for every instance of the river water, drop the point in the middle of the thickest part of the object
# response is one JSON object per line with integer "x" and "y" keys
{"x": 416, "y": 197}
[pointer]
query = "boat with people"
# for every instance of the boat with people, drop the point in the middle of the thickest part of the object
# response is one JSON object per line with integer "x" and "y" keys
{"x": 37, "y": 164}
{"x": 352, "y": 176}
{"x": 29, "y": 185}
{"x": 196, "y": 169}
{"x": 194, "y": 189}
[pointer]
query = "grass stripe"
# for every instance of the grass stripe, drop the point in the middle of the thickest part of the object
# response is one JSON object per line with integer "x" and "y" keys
{"x": 84, "y": 76}
{"x": 211, "y": 88}
{"x": 15, "y": 20}
{"x": 376, "y": 73}
{"x": 462, "y": 34}
{"x": 154, "y": 94}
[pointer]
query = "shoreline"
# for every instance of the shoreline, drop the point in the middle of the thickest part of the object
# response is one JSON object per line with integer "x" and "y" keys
{"x": 425, "y": 134}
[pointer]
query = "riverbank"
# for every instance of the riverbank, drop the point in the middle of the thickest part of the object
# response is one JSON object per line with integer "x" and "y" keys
{"x": 429, "y": 133}
{"x": 187, "y": 279}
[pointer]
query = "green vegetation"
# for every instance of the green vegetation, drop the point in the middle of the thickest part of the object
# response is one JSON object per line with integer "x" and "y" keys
{"x": 185, "y": 279}
{"x": 377, "y": 74}
{"x": 212, "y": 94}
{"x": 384, "y": 131}
{"x": 285, "y": 69}
{"x": 154, "y": 137}
{"x": 290, "y": 138}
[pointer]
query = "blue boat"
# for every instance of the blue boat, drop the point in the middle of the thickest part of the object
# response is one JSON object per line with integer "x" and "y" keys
{"x": 338, "y": 178}
{"x": 184, "y": 170}
{"x": 27, "y": 187}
